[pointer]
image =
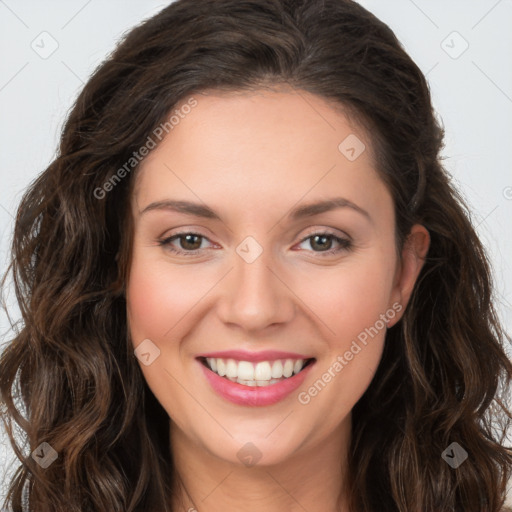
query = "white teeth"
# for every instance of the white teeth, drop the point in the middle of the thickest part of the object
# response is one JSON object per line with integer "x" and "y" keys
{"x": 277, "y": 370}
{"x": 246, "y": 382}
{"x": 258, "y": 383}
{"x": 231, "y": 368}
{"x": 262, "y": 373}
{"x": 245, "y": 370}
{"x": 213, "y": 363}
{"x": 221, "y": 367}
{"x": 288, "y": 368}
{"x": 297, "y": 367}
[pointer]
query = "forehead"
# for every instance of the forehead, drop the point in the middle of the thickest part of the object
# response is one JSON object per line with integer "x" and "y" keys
{"x": 259, "y": 143}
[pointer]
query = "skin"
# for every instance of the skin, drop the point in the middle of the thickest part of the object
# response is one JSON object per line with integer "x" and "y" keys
{"x": 252, "y": 157}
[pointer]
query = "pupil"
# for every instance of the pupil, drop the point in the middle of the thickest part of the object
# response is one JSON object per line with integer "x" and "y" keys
{"x": 323, "y": 240}
{"x": 187, "y": 241}
{"x": 321, "y": 237}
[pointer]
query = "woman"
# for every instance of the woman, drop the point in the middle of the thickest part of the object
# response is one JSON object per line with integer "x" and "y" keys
{"x": 246, "y": 281}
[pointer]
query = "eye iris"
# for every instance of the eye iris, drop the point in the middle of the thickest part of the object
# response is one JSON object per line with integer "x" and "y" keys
{"x": 324, "y": 238}
{"x": 187, "y": 239}
{"x": 318, "y": 242}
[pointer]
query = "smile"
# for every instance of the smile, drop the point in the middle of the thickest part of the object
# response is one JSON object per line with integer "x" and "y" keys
{"x": 265, "y": 379}
{"x": 261, "y": 374}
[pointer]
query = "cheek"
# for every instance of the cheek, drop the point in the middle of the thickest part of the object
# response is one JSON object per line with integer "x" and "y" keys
{"x": 357, "y": 296}
{"x": 367, "y": 291}
{"x": 352, "y": 297}
{"x": 354, "y": 303}
{"x": 158, "y": 298}
{"x": 145, "y": 296}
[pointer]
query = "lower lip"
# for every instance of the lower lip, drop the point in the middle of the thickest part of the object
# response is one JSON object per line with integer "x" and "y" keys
{"x": 254, "y": 396}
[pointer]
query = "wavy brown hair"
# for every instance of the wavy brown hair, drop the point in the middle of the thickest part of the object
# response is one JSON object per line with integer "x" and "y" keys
{"x": 70, "y": 378}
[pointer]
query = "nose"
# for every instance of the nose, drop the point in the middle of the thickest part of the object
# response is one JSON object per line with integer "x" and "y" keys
{"x": 256, "y": 296}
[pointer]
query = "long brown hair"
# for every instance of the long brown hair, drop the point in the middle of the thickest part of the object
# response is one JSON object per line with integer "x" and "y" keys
{"x": 69, "y": 377}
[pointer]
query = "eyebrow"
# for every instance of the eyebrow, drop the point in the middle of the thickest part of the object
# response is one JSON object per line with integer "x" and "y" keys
{"x": 306, "y": 210}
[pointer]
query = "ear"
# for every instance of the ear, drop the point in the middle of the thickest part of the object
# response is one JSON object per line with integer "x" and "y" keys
{"x": 408, "y": 269}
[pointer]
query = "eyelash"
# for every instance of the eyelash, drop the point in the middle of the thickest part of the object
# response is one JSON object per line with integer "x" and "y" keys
{"x": 345, "y": 243}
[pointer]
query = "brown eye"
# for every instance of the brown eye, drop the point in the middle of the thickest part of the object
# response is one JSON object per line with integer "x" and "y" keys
{"x": 189, "y": 243}
{"x": 323, "y": 243}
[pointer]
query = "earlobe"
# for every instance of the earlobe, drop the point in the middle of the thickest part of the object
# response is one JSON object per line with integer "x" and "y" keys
{"x": 414, "y": 253}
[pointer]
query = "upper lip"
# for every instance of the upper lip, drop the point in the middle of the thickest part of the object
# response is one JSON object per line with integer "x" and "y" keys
{"x": 264, "y": 355}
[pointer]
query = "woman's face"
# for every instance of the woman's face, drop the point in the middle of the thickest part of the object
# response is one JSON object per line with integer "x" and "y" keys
{"x": 262, "y": 276}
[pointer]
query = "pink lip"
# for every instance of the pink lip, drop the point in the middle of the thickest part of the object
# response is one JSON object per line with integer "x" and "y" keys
{"x": 254, "y": 396}
{"x": 264, "y": 355}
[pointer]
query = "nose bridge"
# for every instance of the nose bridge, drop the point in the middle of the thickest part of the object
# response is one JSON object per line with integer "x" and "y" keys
{"x": 257, "y": 297}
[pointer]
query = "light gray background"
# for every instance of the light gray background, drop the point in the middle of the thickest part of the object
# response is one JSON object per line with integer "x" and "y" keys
{"x": 472, "y": 92}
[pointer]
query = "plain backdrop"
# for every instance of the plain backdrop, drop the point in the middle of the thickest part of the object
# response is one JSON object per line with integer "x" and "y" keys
{"x": 49, "y": 49}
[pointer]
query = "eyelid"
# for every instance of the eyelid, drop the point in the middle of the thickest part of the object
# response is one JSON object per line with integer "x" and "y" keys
{"x": 326, "y": 231}
{"x": 344, "y": 241}
{"x": 311, "y": 231}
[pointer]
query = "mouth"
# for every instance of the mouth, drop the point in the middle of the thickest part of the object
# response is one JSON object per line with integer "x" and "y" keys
{"x": 255, "y": 374}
